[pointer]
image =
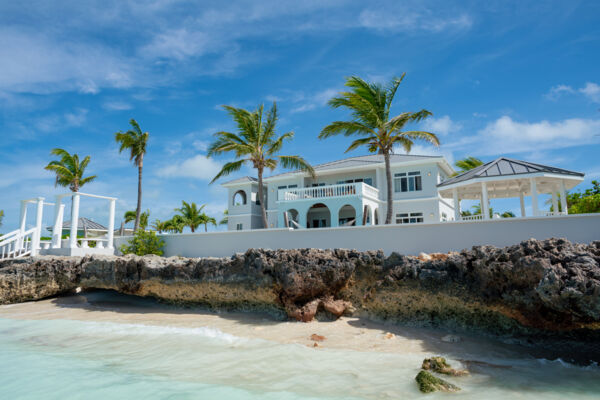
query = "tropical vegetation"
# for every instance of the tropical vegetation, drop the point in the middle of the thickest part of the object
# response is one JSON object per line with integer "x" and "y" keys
{"x": 225, "y": 219}
{"x": 69, "y": 170}
{"x": 256, "y": 143}
{"x": 583, "y": 203}
{"x": 159, "y": 226}
{"x": 143, "y": 243}
{"x": 135, "y": 141}
{"x": 130, "y": 216}
{"x": 467, "y": 164}
{"x": 175, "y": 224}
{"x": 1, "y": 216}
{"x": 192, "y": 215}
{"x": 370, "y": 106}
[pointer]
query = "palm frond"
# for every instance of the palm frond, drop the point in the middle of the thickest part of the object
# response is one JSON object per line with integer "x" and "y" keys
{"x": 372, "y": 140}
{"x": 228, "y": 168}
{"x": 297, "y": 162}
{"x": 346, "y": 128}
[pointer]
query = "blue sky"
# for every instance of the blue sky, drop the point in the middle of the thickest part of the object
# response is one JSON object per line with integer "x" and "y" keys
{"x": 502, "y": 78}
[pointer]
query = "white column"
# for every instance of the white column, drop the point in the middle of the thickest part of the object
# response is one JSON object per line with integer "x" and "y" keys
{"x": 35, "y": 239}
{"x": 111, "y": 224}
{"x": 22, "y": 224}
{"x": 456, "y": 204}
{"x": 485, "y": 210}
{"x": 563, "y": 198}
{"x": 554, "y": 200}
{"x": 59, "y": 211}
{"x": 522, "y": 201}
{"x": 74, "y": 219}
{"x": 534, "y": 197}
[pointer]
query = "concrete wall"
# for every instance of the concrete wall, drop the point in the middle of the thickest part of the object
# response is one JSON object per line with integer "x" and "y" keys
{"x": 405, "y": 239}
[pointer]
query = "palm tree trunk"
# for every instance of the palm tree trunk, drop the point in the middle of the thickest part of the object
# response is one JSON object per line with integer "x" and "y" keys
{"x": 206, "y": 227}
{"x": 138, "y": 210}
{"x": 261, "y": 197}
{"x": 390, "y": 195}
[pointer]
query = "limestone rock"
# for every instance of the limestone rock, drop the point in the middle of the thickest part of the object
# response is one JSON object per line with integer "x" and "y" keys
{"x": 439, "y": 365}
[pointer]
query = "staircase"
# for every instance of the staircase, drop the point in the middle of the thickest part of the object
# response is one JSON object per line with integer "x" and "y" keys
{"x": 17, "y": 244}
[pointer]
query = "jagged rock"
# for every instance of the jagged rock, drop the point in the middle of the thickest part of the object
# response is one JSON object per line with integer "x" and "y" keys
{"x": 439, "y": 365}
{"x": 429, "y": 383}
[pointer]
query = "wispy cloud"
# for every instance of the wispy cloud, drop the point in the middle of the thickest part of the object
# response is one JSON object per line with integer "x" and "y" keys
{"x": 441, "y": 126}
{"x": 590, "y": 90}
{"x": 198, "y": 167}
{"x": 117, "y": 106}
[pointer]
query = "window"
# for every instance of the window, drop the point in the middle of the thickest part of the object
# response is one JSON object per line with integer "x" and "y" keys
{"x": 239, "y": 227}
{"x": 410, "y": 182}
{"x": 368, "y": 181}
{"x": 409, "y": 218}
{"x": 239, "y": 198}
{"x": 318, "y": 184}
{"x": 285, "y": 187}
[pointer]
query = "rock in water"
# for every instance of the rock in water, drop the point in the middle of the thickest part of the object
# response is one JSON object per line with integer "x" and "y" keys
{"x": 317, "y": 338}
{"x": 439, "y": 365}
{"x": 429, "y": 383}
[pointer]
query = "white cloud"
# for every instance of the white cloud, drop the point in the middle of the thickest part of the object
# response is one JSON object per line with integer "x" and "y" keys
{"x": 591, "y": 91}
{"x": 557, "y": 91}
{"x": 508, "y": 136}
{"x": 416, "y": 20}
{"x": 200, "y": 145}
{"x": 441, "y": 126}
{"x": 117, "y": 106}
{"x": 319, "y": 99}
{"x": 54, "y": 122}
{"x": 198, "y": 167}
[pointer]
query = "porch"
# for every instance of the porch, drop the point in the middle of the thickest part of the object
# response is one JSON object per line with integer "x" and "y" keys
{"x": 347, "y": 204}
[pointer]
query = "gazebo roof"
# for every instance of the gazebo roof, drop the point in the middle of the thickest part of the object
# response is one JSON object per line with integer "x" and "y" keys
{"x": 83, "y": 223}
{"x": 504, "y": 167}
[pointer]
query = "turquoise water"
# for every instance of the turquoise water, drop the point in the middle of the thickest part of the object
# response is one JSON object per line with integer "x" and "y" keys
{"x": 64, "y": 359}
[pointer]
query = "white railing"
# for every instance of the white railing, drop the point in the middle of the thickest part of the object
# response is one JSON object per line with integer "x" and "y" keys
{"x": 477, "y": 217}
{"x": 15, "y": 244}
{"x": 317, "y": 192}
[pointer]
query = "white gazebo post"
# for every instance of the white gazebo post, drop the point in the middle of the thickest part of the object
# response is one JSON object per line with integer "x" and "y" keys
{"x": 456, "y": 204}
{"x": 485, "y": 211}
{"x": 554, "y": 201}
{"x": 35, "y": 239}
{"x": 563, "y": 198}
{"x": 74, "y": 220}
{"x": 522, "y": 201}
{"x": 111, "y": 224}
{"x": 534, "y": 197}
{"x": 59, "y": 211}
{"x": 22, "y": 224}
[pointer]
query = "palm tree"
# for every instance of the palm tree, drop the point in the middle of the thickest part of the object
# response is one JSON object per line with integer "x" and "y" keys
{"x": 159, "y": 226}
{"x": 135, "y": 141}
{"x": 257, "y": 144}
{"x": 175, "y": 224}
{"x": 69, "y": 171}
{"x": 131, "y": 216}
{"x": 207, "y": 220}
{"x": 225, "y": 219}
{"x": 191, "y": 214}
{"x": 467, "y": 164}
{"x": 370, "y": 106}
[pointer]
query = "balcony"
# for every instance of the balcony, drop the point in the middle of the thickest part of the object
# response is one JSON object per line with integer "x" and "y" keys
{"x": 359, "y": 189}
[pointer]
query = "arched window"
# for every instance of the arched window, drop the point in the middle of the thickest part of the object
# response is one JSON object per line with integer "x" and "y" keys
{"x": 239, "y": 198}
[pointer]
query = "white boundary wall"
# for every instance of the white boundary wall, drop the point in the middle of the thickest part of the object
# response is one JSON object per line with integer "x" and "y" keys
{"x": 404, "y": 239}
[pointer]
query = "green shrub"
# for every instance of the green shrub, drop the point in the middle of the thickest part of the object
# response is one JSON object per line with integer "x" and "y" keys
{"x": 142, "y": 243}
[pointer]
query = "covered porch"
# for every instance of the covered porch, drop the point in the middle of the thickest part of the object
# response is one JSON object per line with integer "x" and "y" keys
{"x": 508, "y": 178}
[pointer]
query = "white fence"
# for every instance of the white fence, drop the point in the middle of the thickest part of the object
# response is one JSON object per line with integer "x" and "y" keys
{"x": 406, "y": 239}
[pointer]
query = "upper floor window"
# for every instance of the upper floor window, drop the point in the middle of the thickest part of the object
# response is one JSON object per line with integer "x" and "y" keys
{"x": 368, "y": 181}
{"x": 285, "y": 187}
{"x": 410, "y": 182}
{"x": 239, "y": 198}
{"x": 409, "y": 218}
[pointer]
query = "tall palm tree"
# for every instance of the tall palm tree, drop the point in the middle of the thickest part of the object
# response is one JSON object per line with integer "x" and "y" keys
{"x": 192, "y": 214}
{"x": 257, "y": 144}
{"x": 207, "y": 220}
{"x": 135, "y": 141}
{"x": 131, "y": 216}
{"x": 69, "y": 170}
{"x": 370, "y": 105}
{"x": 467, "y": 164}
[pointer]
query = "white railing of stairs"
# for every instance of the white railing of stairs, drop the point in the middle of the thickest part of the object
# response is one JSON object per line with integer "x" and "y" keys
{"x": 341, "y": 190}
{"x": 16, "y": 244}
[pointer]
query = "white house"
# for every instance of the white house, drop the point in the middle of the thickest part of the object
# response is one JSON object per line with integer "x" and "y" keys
{"x": 346, "y": 192}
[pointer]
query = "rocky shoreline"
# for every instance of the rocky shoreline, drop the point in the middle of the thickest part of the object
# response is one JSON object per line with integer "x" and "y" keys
{"x": 545, "y": 293}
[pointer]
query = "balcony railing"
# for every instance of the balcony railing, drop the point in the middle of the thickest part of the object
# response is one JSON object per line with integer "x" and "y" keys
{"x": 320, "y": 192}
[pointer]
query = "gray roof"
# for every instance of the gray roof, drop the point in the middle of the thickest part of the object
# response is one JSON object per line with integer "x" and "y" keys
{"x": 359, "y": 161}
{"x": 243, "y": 179}
{"x": 83, "y": 223}
{"x": 505, "y": 167}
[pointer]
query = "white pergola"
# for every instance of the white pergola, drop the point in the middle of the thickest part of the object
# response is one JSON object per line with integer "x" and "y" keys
{"x": 508, "y": 178}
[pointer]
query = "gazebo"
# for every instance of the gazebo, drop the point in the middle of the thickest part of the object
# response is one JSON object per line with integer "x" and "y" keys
{"x": 507, "y": 178}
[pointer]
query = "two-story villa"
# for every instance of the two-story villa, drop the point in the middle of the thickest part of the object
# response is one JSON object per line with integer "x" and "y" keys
{"x": 347, "y": 192}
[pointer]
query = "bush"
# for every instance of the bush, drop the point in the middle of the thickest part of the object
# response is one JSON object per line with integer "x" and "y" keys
{"x": 142, "y": 243}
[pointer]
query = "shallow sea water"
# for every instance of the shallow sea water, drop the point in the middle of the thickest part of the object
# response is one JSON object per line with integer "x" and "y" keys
{"x": 109, "y": 346}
